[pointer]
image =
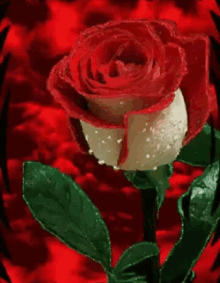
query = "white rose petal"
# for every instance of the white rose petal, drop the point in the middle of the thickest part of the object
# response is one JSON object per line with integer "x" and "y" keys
{"x": 108, "y": 151}
{"x": 159, "y": 144}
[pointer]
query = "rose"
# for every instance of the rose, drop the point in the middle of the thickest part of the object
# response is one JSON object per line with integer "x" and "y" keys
{"x": 136, "y": 91}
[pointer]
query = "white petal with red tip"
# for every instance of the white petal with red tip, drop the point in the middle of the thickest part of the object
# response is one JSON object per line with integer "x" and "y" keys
{"x": 153, "y": 139}
{"x": 162, "y": 140}
{"x": 105, "y": 143}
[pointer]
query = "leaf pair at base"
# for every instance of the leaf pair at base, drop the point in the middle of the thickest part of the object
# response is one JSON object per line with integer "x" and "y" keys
{"x": 65, "y": 210}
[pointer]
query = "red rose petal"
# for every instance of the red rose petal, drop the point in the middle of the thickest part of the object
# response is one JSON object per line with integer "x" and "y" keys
{"x": 105, "y": 51}
{"x": 175, "y": 66}
{"x": 139, "y": 29}
{"x": 194, "y": 85}
{"x": 142, "y": 32}
{"x": 115, "y": 83}
{"x": 165, "y": 29}
{"x": 77, "y": 134}
{"x": 63, "y": 90}
{"x": 82, "y": 50}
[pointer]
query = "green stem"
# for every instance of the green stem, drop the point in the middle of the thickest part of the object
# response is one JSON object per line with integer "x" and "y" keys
{"x": 149, "y": 206}
{"x": 111, "y": 277}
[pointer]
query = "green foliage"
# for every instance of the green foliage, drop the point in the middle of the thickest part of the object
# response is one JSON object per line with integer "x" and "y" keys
{"x": 197, "y": 151}
{"x": 65, "y": 210}
{"x": 198, "y": 223}
{"x": 150, "y": 179}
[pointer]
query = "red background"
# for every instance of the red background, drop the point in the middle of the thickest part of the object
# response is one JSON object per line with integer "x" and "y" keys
{"x": 41, "y": 33}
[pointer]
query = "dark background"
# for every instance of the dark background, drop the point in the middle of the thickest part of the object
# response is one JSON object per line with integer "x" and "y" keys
{"x": 41, "y": 33}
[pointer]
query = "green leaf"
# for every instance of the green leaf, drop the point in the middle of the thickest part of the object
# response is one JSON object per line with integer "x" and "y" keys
{"x": 149, "y": 179}
{"x": 197, "y": 151}
{"x": 198, "y": 223}
{"x": 160, "y": 180}
{"x": 133, "y": 256}
{"x": 138, "y": 179}
{"x": 65, "y": 210}
{"x": 135, "y": 279}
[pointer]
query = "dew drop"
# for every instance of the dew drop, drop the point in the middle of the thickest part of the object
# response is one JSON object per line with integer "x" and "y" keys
{"x": 152, "y": 130}
{"x": 147, "y": 155}
{"x": 147, "y": 139}
{"x": 176, "y": 137}
{"x": 103, "y": 141}
{"x": 144, "y": 130}
{"x": 96, "y": 132}
{"x": 155, "y": 168}
{"x": 87, "y": 137}
{"x": 168, "y": 146}
{"x": 146, "y": 123}
{"x": 90, "y": 151}
{"x": 109, "y": 137}
{"x": 101, "y": 162}
{"x": 116, "y": 168}
{"x": 119, "y": 140}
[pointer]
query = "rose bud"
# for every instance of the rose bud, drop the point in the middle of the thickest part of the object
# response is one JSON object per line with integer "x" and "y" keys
{"x": 135, "y": 91}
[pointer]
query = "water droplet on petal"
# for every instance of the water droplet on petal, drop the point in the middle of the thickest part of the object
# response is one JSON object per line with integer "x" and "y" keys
{"x": 103, "y": 141}
{"x": 146, "y": 124}
{"x": 144, "y": 130}
{"x": 152, "y": 130}
{"x": 119, "y": 140}
{"x": 101, "y": 162}
{"x": 176, "y": 137}
{"x": 155, "y": 168}
{"x": 87, "y": 137}
{"x": 109, "y": 137}
{"x": 116, "y": 168}
{"x": 147, "y": 139}
{"x": 90, "y": 151}
{"x": 168, "y": 146}
{"x": 96, "y": 132}
{"x": 147, "y": 155}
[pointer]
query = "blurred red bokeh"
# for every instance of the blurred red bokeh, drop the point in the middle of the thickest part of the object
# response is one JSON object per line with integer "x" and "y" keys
{"x": 41, "y": 33}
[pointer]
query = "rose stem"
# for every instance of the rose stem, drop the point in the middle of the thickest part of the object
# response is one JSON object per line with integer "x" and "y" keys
{"x": 149, "y": 205}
